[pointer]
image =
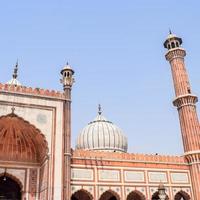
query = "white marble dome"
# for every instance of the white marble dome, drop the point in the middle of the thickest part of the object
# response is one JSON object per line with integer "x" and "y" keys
{"x": 102, "y": 135}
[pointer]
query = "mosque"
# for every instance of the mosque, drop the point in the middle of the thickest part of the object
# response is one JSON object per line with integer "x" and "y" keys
{"x": 38, "y": 163}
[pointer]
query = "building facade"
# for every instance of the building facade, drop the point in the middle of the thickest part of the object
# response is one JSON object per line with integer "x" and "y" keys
{"x": 38, "y": 163}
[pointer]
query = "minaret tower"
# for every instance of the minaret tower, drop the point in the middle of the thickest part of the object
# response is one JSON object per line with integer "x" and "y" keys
{"x": 67, "y": 81}
{"x": 185, "y": 102}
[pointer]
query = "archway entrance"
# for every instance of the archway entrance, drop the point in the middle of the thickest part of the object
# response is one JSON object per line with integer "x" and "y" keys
{"x": 182, "y": 196}
{"x": 108, "y": 195}
{"x": 135, "y": 195}
{"x": 81, "y": 195}
{"x": 9, "y": 189}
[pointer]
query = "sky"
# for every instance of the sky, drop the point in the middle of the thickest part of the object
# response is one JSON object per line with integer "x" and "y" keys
{"x": 116, "y": 49}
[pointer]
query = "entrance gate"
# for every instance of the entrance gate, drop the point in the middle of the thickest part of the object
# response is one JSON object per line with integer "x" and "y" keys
{"x": 9, "y": 189}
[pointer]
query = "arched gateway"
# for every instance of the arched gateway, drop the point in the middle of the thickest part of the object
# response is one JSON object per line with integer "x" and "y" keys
{"x": 9, "y": 188}
{"x": 81, "y": 195}
{"x": 20, "y": 142}
{"x": 182, "y": 196}
{"x": 135, "y": 195}
{"x": 109, "y": 195}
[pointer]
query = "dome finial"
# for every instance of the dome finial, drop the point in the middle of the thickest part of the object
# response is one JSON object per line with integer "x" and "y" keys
{"x": 170, "y": 32}
{"x": 15, "y": 70}
{"x": 99, "y": 109}
{"x": 13, "y": 110}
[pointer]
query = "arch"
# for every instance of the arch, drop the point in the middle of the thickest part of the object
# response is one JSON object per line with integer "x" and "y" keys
{"x": 109, "y": 195}
{"x": 21, "y": 141}
{"x": 182, "y": 195}
{"x": 173, "y": 45}
{"x": 14, "y": 178}
{"x": 10, "y": 188}
{"x": 82, "y": 195}
{"x": 156, "y": 197}
{"x": 135, "y": 195}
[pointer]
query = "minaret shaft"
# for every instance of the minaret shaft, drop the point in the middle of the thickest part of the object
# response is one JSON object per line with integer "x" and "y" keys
{"x": 67, "y": 81}
{"x": 185, "y": 101}
{"x": 186, "y": 106}
{"x": 180, "y": 77}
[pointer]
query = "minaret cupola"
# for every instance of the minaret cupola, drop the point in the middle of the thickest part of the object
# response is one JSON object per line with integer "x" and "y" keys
{"x": 172, "y": 41}
{"x": 67, "y": 76}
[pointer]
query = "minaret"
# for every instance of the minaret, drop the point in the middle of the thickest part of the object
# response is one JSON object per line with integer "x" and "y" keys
{"x": 67, "y": 81}
{"x": 185, "y": 102}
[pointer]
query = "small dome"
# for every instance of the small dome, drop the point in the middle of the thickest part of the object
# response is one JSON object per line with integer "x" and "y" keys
{"x": 103, "y": 135}
{"x": 14, "y": 81}
{"x": 21, "y": 141}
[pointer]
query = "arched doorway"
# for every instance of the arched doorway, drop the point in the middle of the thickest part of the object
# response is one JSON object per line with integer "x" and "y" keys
{"x": 156, "y": 197}
{"x": 182, "y": 196}
{"x": 135, "y": 195}
{"x": 81, "y": 195}
{"x": 109, "y": 195}
{"x": 9, "y": 189}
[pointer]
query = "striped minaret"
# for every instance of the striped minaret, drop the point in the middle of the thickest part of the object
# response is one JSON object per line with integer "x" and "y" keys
{"x": 185, "y": 102}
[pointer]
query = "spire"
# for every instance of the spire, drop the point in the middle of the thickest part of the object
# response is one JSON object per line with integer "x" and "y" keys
{"x": 15, "y": 70}
{"x": 14, "y": 80}
{"x": 99, "y": 109}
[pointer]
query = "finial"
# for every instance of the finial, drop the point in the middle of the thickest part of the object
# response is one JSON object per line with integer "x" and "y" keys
{"x": 13, "y": 109}
{"x": 15, "y": 70}
{"x": 67, "y": 63}
{"x": 99, "y": 109}
{"x": 170, "y": 32}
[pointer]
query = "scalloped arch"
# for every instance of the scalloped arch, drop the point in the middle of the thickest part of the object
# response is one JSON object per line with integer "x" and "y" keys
{"x": 14, "y": 178}
{"x": 109, "y": 192}
{"x": 183, "y": 194}
{"x": 137, "y": 193}
{"x": 81, "y": 191}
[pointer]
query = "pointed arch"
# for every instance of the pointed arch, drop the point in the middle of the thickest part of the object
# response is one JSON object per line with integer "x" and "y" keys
{"x": 10, "y": 187}
{"x": 136, "y": 195}
{"x": 109, "y": 195}
{"x": 82, "y": 194}
{"x": 14, "y": 178}
{"x": 21, "y": 141}
{"x": 156, "y": 197}
{"x": 182, "y": 195}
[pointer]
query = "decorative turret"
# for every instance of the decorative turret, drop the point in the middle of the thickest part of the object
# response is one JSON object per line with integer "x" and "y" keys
{"x": 67, "y": 76}
{"x": 67, "y": 81}
{"x": 185, "y": 102}
{"x": 172, "y": 41}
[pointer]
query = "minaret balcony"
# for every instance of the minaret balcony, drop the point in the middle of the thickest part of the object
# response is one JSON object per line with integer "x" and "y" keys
{"x": 185, "y": 100}
{"x": 175, "y": 53}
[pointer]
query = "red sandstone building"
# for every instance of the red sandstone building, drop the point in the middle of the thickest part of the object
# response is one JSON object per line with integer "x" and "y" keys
{"x": 37, "y": 162}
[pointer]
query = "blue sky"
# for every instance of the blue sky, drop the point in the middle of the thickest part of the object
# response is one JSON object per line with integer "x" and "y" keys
{"x": 116, "y": 50}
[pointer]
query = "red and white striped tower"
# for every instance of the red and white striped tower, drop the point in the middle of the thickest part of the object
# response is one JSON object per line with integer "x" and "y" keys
{"x": 67, "y": 81}
{"x": 185, "y": 102}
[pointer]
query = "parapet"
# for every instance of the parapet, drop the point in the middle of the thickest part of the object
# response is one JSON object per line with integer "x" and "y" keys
{"x": 31, "y": 91}
{"x": 115, "y": 156}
